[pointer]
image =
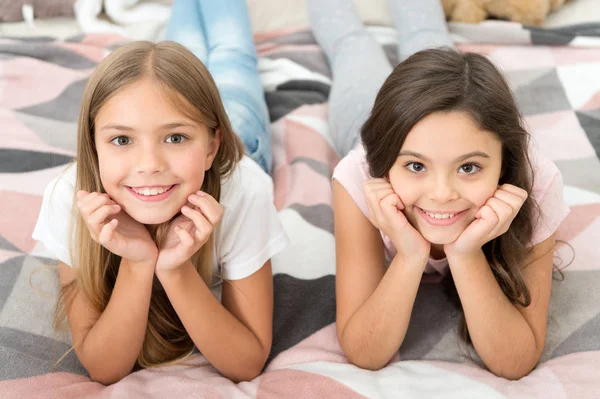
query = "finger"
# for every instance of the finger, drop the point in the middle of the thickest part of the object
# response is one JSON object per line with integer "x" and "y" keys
{"x": 81, "y": 194}
{"x": 93, "y": 202}
{"x": 101, "y": 214}
{"x": 184, "y": 237}
{"x": 376, "y": 194}
{"x": 502, "y": 210}
{"x": 107, "y": 232}
{"x": 390, "y": 205}
{"x": 487, "y": 213}
{"x": 200, "y": 222}
{"x": 519, "y": 192}
{"x": 374, "y": 184}
{"x": 210, "y": 208}
{"x": 513, "y": 200}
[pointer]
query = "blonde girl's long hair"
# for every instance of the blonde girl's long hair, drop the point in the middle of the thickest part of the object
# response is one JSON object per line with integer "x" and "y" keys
{"x": 191, "y": 89}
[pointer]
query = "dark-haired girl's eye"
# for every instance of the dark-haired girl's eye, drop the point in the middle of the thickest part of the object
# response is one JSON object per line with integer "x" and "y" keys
{"x": 469, "y": 169}
{"x": 415, "y": 167}
{"x": 176, "y": 138}
{"x": 121, "y": 141}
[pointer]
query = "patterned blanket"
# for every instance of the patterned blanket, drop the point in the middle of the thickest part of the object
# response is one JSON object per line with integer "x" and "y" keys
{"x": 558, "y": 90}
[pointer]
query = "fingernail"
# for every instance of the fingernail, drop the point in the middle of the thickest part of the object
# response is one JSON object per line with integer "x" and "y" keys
{"x": 193, "y": 197}
{"x": 185, "y": 209}
{"x": 200, "y": 193}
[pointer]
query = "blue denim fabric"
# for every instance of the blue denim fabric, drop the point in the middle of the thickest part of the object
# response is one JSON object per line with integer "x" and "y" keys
{"x": 218, "y": 32}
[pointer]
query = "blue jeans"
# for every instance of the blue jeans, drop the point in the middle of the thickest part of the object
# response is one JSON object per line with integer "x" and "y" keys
{"x": 218, "y": 32}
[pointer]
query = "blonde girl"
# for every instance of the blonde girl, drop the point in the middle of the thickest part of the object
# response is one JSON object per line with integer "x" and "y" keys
{"x": 165, "y": 203}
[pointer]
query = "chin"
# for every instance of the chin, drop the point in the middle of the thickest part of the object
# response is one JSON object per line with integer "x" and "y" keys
{"x": 440, "y": 238}
{"x": 151, "y": 218}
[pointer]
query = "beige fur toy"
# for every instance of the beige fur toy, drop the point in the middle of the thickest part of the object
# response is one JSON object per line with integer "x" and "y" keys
{"x": 528, "y": 12}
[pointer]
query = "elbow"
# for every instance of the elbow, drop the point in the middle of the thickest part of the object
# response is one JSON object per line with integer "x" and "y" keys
{"x": 359, "y": 357}
{"x": 516, "y": 369}
{"x": 251, "y": 368}
{"x": 365, "y": 362}
{"x": 246, "y": 372}
{"x": 105, "y": 378}
{"x": 512, "y": 373}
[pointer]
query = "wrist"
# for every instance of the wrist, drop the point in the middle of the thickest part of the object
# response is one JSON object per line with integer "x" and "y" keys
{"x": 413, "y": 261}
{"x": 141, "y": 268}
{"x": 458, "y": 258}
{"x": 165, "y": 275}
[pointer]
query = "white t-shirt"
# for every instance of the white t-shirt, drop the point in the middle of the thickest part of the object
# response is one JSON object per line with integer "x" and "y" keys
{"x": 249, "y": 233}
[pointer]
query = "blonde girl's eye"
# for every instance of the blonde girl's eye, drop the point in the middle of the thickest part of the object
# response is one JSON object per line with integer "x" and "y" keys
{"x": 469, "y": 169}
{"x": 176, "y": 138}
{"x": 121, "y": 141}
{"x": 415, "y": 167}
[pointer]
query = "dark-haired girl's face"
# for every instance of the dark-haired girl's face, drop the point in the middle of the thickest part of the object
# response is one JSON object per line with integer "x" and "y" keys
{"x": 446, "y": 170}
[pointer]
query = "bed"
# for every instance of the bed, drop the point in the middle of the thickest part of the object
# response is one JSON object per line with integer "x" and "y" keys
{"x": 554, "y": 74}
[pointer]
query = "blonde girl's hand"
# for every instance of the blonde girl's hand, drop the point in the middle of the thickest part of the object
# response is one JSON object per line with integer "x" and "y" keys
{"x": 189, "y": 231}
{"x": 114, "y": 229}
{"x": 491, "y": 221}
{"x": 385, "y": 212}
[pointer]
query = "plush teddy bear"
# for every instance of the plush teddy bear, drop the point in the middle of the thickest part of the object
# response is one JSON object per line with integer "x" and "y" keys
{"x": 527, "y": 12}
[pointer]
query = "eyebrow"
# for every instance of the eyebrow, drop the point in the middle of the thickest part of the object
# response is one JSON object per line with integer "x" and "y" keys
{"x": 124, "y": 128}
{"x": 460, "y": 158}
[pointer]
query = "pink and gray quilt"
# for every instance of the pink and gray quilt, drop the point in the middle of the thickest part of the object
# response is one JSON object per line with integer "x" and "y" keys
{"x": 555, "y": 75}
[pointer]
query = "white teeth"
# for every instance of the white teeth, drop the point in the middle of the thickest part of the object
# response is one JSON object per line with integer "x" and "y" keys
{"x": 440, "y": 215}
{"x": 150, "y": 191}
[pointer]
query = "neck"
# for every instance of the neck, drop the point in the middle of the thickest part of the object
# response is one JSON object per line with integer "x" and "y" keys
{"x": 437, "y": 251}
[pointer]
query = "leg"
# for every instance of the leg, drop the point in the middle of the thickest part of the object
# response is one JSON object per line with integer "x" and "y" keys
{"x": 420, "y": 24}
{"x": 186, "y": 27}
{"x": 232, "y": 61}
{"x": 359, "y": 67}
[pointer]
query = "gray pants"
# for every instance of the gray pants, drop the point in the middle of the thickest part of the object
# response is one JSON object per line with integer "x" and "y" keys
{"x": 358, "y": 62}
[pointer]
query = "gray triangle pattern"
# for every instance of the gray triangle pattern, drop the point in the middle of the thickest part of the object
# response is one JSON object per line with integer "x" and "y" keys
{"x": 590, "y": 122}
{"x": 581, "y": 173}
{"x": 53, "y": 132}
{"x": 6, "y": 245}
{"x": 542, "y": 94}
{"x": 64, "y": 108}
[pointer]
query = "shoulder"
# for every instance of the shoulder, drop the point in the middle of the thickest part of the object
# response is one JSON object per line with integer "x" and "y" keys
{"x": 54, "y": 219}
{"x": 247, "y": 181}
{"x": 58, "y": 195}
{"x": 548, "y": 193}
{"x": 351, "y": 172}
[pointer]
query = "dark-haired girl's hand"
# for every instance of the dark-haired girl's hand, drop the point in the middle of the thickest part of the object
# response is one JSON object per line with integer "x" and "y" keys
{"x": 385, "y": 212}
{"x": 491, "y": 221}
{"x": 188, "y": 232}
{"x": 114, "y": 229}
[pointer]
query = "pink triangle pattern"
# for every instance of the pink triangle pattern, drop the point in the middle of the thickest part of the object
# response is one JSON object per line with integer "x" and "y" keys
{"x": 24, "y": 76}
{"x": 19, "y": 213}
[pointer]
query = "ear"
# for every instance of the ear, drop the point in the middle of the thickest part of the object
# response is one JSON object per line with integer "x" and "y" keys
{"x": 213, "y": 148}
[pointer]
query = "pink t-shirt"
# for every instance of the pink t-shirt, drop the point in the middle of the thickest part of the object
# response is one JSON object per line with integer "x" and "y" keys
{"x": 353, "y": 169}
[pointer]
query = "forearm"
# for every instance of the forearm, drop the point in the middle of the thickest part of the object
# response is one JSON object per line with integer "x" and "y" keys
{"x": 111, "y": 347}
{"x": 223, "y": 339}
{"x": 499, "y": 332}
{"x": 374, "y": 333}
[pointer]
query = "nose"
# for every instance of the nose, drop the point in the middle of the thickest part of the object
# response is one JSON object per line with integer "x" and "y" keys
{"x": 150, "y": 160}
{"x": 443, "y": 190}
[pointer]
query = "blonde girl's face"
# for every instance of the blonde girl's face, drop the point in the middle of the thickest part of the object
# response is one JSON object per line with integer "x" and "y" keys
{"x": 151, "y": 156}
{"x": 446, "y": 171}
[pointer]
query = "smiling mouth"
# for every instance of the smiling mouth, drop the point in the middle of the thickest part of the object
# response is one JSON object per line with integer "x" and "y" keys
{"x": 440, "y": 218}
{"x": 151, "y": 191}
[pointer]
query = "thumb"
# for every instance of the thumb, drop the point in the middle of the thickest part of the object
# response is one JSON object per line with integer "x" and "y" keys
{"x": 391, "y": 205}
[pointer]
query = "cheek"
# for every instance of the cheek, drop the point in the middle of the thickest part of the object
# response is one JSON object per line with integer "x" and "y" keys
{"x": 407, "y": 190}
{"x": 479, "y": 194}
